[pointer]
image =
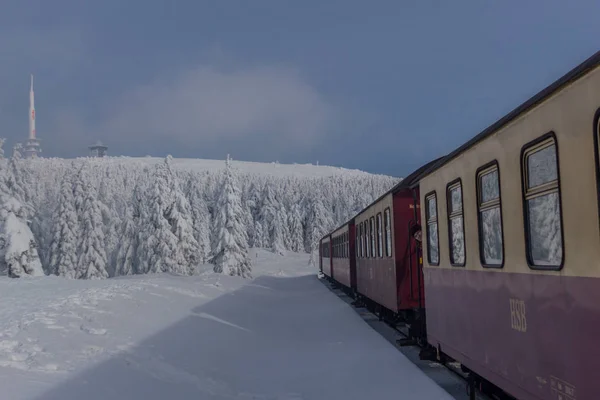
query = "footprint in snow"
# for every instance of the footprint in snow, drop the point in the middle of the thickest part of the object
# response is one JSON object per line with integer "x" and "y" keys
{"x": 49, "y": 368}
{"x": 90, "y": 351}
{"x": 9, "y": 345}
{"x": 93, "y": 331}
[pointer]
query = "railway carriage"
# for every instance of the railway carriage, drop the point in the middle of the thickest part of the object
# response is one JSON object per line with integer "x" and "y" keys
{"x": 325, "y": 256}
{"x": 512, "y": 246}
{"x": 387, "y": 259}
{"x": 343, "y": 261}
{"x": 375, "y": 267}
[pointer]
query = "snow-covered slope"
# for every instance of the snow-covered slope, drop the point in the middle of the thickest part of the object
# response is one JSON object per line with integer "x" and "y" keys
{"x": 282, "y": 336}
{"x": 272, "y": 169}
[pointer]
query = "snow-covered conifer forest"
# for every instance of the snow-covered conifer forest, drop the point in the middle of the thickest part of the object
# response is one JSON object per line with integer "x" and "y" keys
{"x": 94, "y": 218}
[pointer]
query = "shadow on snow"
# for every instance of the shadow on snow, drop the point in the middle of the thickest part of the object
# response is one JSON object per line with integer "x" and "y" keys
{"x": 263, "y": 341}
{"x": 274, "y": 338}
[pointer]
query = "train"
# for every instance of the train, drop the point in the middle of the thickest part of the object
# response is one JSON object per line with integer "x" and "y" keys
{"x": 490, "y": 254}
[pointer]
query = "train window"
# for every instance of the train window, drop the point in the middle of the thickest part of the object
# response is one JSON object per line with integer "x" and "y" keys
{"x": 356, "y": 241}
{"x": 388, "y": 232}
{"x": 456, "y": 223}
{"x": 372, "y": 236}
{"x": 360, "y": 244}
{"x": 543, "y": 219}
{"x": 347, "y": 244}
{"x": 491, "y": 248}
{"x": 379, "y": 236}
{"x": 433, "y": 244}
{"x": 366, "y": 238}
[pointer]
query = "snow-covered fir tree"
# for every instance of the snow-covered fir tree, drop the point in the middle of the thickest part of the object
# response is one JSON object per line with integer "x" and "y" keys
{"x": 273, "y": 220}
{"x": 126, "y": 251}
{"x": 230, "y": 254}
{"x": 163, "y": 216}
{"x": 318, "y": 223}
{"x": 200, "y": 217}
{"x": 92, "y": 261}
{"x": 65, "y": 233}
{"x": 296, "y": 229}
{"x": 167, "y": 241}
{"x": 18, "y": 248}
{"x": 18, "y": 253}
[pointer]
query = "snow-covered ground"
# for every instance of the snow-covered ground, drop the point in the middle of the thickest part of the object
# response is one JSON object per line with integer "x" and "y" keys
{"x": 282, "y": 335}
{"x": 250, "y": 167}
{"x": 273, "y": 169}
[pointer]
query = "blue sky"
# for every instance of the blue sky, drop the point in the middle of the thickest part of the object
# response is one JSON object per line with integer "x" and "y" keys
{"x": 383, "y": 86}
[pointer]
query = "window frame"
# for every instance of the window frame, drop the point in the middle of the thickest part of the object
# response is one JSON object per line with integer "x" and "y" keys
{"x": 528, "y": 148}
{"x": 387, "y": 225}
{"x": 336, "y": 244}
{"x": 372, "y": 235}
{"x": 362, "y": 239}
{"x": 433, "y": 194}
{"x": 449, "y": 216}
{"x": 348, "y": 243}
{"x": 486, "y": 168}
{"x": 379, "y": 225}
{"x": 361, "y": 243}
{"x": 356, "y": 247}
{"x": 596, "y": 132}
{"x": 367, "y": 239}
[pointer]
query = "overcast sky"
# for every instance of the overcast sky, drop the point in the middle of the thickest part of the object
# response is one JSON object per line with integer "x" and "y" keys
{"x": 383, "y": 86}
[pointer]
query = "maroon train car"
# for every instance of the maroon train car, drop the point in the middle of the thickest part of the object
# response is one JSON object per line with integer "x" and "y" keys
{"x": 387, "y": 266}
{"x": 325, "y": 256}
{"x": 389, "y": 271}
{"x": 344, "y": 260}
